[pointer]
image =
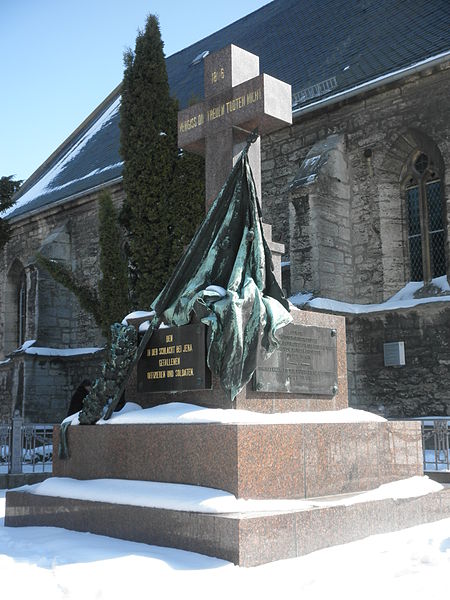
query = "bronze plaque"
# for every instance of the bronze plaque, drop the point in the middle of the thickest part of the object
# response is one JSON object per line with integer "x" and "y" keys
{"x": 175, "y": 360}
{"x": 305, "y": 363}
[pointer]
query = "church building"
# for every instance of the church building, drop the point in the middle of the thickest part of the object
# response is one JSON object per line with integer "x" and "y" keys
{"x": 357, "y": 189}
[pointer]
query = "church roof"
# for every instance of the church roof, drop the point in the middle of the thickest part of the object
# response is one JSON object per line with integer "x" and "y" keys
{"x": 323, "y": 48}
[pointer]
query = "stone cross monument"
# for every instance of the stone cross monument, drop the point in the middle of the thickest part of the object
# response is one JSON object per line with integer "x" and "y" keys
{"x": 237, "y": 101}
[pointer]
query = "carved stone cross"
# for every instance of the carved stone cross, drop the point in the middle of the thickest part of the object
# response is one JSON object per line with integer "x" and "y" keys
{"x": 237, "y": 100}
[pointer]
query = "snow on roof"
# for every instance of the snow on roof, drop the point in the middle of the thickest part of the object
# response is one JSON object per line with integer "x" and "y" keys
{"x": 323, "y": 53}
{"x": 402, "y": 299}
{"x": 79, "y": 162}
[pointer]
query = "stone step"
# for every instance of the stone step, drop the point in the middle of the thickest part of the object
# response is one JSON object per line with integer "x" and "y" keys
{"x": 246, "y": 539}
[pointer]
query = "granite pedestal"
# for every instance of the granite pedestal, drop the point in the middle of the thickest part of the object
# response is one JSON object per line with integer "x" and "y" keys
{"x": 245, "y": 539}
{"x": 250, "y": 461}
{"x": 268, "y": 402}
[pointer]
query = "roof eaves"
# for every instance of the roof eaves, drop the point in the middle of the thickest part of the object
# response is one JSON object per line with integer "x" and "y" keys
{"x": 52, "y": 205}
{"x": 372, "y": 83}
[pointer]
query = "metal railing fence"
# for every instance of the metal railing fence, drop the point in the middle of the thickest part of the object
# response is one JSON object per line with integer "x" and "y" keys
{"x": 29, "y": 447}
{"x": 25, "y": 448}
{"x": 436, "y": 444}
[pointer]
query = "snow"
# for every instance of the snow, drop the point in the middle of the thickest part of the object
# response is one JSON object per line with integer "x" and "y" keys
{"x": 129, "y": 406}
{"x": 413, "y": 563}
{"x": 91, "y": 174}
{"x": 26, "y": 345}
{"x": 402, "y": 299}
{"x": 178, "y": 412}
{"x": 437, "y": 460}
{"x": 193, "y": 498}
{"x": 41, "y": 351}
{"x": 138, "y": 314}
{"x": 216, "y": 290}
{"x": 44, "y": 184}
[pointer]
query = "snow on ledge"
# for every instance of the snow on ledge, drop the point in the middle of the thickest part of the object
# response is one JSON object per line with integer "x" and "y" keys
{"x": 178, "y": 412}
{"x": 138, "y": 314}
{"x": 402, "y": 299}
{"x": 176, "y": 496}
{"x": 26, "y": 345}
{"x": 41, "y": 351}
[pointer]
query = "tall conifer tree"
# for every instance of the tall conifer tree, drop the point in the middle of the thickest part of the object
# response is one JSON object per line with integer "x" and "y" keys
{"x": 188, "y": 196}
{"x": 148, "y": 123}
{"x": 8, "y": 187}
{"x": 113, "y": 286}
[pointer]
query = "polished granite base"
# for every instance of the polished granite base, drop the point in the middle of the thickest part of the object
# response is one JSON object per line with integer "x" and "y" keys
{"x": 250, "y": 461}
{"x": 250, "y": 398}
{"x": 244, "y": 539}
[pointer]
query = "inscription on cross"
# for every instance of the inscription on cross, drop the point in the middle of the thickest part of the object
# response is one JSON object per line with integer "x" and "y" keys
{"x": 237, "y": 100}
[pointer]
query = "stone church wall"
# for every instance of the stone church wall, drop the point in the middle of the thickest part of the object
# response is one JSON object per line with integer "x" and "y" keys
{"x": 344, "y": 233}
{"x": 375, "y": 128}
{"x": 68, "y": 232}
{"x": 39, "y": 386}
{"x": 420, "y": 387}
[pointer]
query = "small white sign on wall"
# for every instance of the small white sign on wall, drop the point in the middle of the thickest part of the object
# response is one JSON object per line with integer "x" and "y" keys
{"x": 394, "y": 354}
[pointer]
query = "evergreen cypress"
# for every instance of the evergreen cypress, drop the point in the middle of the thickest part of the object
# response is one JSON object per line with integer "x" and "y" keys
{"x": 8, "y": 187}
{"x": 113, "y": 286}
{"x": 188, "y": 196}
{"x": 148, "y": 123}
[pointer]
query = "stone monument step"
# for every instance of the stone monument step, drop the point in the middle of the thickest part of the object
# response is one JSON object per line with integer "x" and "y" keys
{"x": 277, "y": 460}
{"x": 244, "y": 538}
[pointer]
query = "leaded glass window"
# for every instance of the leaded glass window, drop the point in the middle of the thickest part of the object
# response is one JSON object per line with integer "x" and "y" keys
{"x": 436, "y": 228}
{"x": 414, "y": 237}
{"x": 426, "y": 233}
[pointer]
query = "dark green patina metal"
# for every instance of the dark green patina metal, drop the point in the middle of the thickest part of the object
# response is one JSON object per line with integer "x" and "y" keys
{"x": 115, "y": 369}
{"x": 229, "y": 250}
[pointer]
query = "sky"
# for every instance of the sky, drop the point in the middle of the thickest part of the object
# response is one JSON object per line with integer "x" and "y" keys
{"x": 60, "y": 58}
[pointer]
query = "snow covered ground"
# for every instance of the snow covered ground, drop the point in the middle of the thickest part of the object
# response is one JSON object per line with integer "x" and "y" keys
{"x": 60, "y": 564}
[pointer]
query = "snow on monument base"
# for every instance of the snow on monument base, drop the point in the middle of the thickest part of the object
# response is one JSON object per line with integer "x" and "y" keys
{"x": 257, "y": 460}
{"x": 280, "y": 466}
{"x": 247, "y": 539}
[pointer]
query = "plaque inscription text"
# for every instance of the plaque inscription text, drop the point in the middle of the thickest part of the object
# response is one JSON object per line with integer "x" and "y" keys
{"x": 175, "y": 360}
{"x": 305, "y": 363}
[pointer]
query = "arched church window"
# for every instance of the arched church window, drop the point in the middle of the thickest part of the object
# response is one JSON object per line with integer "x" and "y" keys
{"x": 15, "y": 328}
{"x": 21, "y": 308}
{"x": 426, "y": 233}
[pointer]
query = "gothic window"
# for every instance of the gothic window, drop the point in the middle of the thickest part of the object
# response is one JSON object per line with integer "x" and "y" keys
{"x": 426, "y": 234}
{"x": 21, "y": 308}
{"x": 15, "y": 307}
